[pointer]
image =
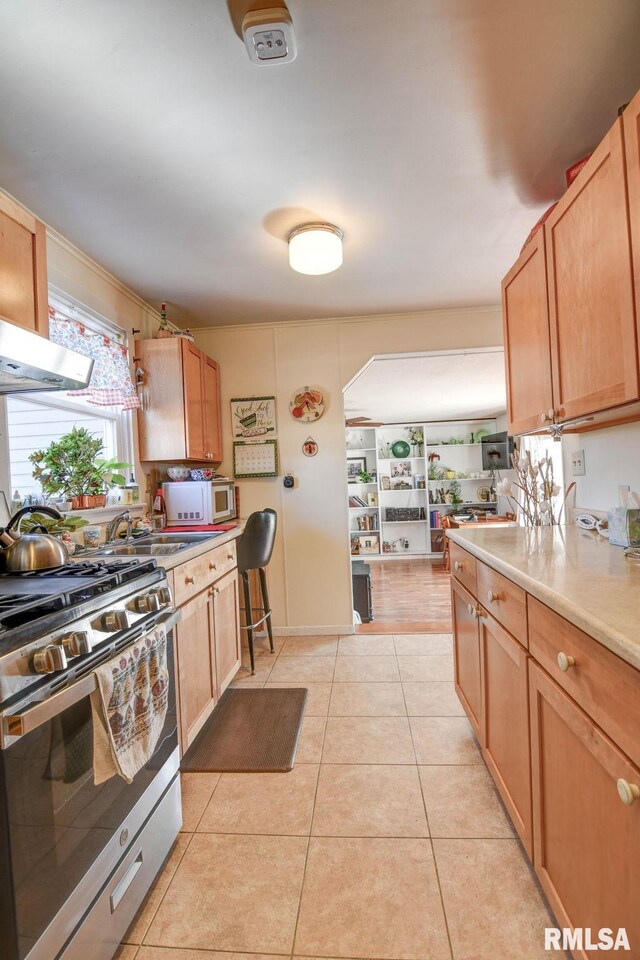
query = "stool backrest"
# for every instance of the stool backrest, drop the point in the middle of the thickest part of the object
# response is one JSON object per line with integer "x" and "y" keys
{"x": 255, "y": 545}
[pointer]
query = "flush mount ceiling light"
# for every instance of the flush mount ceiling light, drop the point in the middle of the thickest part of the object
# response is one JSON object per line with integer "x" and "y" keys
{"x": 315, "y": 248}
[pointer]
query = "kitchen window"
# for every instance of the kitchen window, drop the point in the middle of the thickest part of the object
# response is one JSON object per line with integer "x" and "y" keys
{"x": 34, "y": 420}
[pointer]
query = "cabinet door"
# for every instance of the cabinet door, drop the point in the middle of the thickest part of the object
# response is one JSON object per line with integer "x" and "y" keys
{"x": 591, "y": 300}
{"x": 197, "y": 689}
{"x": 211, "y": 400}
{"x": 525, "y": 313}
{"x": 466, "y": 651}
{"x": 505, "y": 722}
{"x": 586, "y": 840}
{"x": 192, "y": 360}
{"x": 23, "y": 268}
{"x": 631, "y": 123}
{"x": 226, "y": 630}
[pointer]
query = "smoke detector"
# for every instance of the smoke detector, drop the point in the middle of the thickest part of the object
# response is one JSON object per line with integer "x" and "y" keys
{"x": 268, "y": 35}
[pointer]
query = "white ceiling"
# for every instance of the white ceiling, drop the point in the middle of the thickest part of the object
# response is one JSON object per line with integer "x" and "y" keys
{"x": 433, "y": 132}
{"x": 458, "y": 386}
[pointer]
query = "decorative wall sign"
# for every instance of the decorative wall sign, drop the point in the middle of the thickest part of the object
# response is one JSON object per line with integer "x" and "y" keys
{"x": 307, "y": 404}
{"x": 253, "y": 417}
{"x": 257, "y": 459}
{"x": 309, "y": 447}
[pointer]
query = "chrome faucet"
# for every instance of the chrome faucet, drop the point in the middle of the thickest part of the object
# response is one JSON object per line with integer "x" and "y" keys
{"x": 112, "y": 528}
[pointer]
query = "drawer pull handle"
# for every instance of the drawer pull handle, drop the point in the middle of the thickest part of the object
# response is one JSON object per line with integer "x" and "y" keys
{"x": 493, "y": 597}
{"x": 216, "y": 591}
{"x": 628, "y": 792}
{"x": 212, "y": 566}
{"x": 473, "y": 611}
{"x": 457, "y": 565}
{"x": 229, "y": 556}
{"x": 189, "y": 579}
{"x": 565, "y": 661}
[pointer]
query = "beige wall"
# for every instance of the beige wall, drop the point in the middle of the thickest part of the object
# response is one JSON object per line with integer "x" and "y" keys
{"x": 310, "y": 570}
{"x": 611, "y": 458}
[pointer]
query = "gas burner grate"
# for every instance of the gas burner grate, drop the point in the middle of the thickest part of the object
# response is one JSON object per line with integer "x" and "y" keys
{"x": 18, "y": 609}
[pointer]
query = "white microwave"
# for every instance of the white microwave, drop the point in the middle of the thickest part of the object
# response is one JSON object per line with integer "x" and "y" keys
{"x": 194, "y": 502}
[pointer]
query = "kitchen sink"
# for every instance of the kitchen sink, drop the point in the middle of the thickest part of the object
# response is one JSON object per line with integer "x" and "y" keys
{"x": 155, "y": 544}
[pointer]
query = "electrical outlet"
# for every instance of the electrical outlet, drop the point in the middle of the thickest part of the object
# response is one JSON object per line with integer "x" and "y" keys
{"x": 577, "y": 463}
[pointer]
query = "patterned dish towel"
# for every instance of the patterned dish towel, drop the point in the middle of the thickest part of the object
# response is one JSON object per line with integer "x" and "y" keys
{"x": 129, "y": 707}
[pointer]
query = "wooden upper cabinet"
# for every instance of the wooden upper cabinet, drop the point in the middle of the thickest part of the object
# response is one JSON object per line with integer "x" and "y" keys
{"x": 631, "y": 123}
{"x": 211, "y": 399}
{"x": 180, "y": 419}
{"x": 192, "y": 366}
{"x": 591, "y": 297}
{"x": 23, "y": 268}
{"x": 586, "y": 840}
{"x": 527, "y": 345}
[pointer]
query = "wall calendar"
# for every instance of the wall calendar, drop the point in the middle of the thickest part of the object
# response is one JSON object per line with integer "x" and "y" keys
{"x": 257, "y": 459}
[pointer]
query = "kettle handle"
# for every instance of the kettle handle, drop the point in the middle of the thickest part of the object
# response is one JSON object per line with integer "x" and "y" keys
{"x": 17, "y": 517}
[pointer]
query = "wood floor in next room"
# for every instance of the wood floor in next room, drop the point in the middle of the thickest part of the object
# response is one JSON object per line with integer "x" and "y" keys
{"x": 387, "y": 841}
{"x": 409, "y": 596}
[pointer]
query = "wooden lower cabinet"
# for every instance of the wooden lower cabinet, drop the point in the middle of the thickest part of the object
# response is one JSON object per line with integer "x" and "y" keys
{"x": 586, "y": 840}
{"x": 466, "y": 652}
{"x": 226, "y": 629}
{"x": 504, "y": 733}
{"x": 197, "y": 687}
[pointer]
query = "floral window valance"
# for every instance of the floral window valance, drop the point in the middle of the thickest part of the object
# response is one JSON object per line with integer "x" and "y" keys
{"x": 111, "y": 384}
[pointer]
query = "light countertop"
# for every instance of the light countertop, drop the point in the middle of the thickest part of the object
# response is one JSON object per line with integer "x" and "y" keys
{"x": 575, "y": 572}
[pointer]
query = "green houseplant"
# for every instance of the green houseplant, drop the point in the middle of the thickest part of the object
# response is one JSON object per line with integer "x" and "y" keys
{"x": 71, "y": 466}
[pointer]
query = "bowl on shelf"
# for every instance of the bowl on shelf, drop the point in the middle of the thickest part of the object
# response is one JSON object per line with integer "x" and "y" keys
{"x": 203, "y": 473}
{"x": 178, "y": 473}
{"x": 400, "y": 449}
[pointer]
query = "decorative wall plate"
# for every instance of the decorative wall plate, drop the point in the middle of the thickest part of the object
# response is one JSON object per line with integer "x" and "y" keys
{"x": 400, "y": 449}
{"x": 307, "y": 404}
{"x": 309, "y": 447}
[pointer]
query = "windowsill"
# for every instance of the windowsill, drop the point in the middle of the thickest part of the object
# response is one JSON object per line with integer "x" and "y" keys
{"x": 104, "y": 514}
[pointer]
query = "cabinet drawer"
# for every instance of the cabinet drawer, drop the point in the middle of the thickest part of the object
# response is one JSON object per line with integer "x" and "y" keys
{"x": 607, "y": 688}
{"x": 504, "y": 600}
{"x": 194, "y": 575}
{"x": 463, "y": 567}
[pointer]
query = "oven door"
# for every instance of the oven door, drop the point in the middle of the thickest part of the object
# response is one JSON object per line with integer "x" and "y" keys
{"x": 63, "y": 834}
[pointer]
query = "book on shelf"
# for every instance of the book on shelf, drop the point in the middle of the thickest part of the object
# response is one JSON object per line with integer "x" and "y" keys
{"x": 355, "y": 501}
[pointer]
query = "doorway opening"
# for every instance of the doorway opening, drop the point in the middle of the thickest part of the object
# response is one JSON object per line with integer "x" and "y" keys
{"x": 413, "y": 433}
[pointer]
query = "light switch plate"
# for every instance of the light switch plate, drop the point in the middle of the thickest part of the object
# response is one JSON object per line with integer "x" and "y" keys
{"x": 577, "y": 463}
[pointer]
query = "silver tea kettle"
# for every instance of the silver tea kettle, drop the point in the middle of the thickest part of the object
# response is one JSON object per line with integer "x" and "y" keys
{"x": 26, "y": 552}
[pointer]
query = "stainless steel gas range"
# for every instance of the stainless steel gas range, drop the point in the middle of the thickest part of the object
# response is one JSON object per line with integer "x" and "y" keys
{"x": 76, "y": 859}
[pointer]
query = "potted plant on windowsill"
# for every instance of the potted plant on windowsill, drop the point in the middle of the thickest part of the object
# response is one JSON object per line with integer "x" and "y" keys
{"x": 71, "y": 466}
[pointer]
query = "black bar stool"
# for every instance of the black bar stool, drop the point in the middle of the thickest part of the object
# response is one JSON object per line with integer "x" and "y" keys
{"x": 255, "y": 546}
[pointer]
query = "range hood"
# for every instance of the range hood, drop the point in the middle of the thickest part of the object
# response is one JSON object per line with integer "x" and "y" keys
{"x": 29, "y": 362}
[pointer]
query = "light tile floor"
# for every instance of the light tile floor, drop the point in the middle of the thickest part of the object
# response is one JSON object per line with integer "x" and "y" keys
{"x": 387, "y": 842}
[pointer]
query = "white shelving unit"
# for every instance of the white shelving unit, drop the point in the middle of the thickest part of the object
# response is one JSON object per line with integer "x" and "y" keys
{"x": 403, "y": 484}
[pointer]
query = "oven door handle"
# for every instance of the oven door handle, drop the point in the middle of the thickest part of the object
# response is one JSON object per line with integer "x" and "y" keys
{"x": 19, "y": 724}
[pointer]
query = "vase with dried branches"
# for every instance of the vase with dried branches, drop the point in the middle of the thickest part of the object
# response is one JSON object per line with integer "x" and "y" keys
{"x": 533, "y": 491}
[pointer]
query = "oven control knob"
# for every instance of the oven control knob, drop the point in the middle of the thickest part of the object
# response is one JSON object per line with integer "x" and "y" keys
{"x": 163, "y": 595}
{"x": 76, "y": 644}
{"x": 113, "y": 620}
{"x": 146, "y": 603}
{"x": 49, "y": 659}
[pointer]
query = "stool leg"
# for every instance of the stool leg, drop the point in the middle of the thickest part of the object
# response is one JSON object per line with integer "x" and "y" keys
{"x": 249, "y": 617}
{"x": 265, "y": 604}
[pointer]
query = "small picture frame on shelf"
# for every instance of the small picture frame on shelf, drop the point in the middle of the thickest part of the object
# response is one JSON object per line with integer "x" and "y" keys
{"x": 385, "y": 482}
{"x": 402, "y": 483}
{"x": 369, "y": 544}
{"x": 419, "y": 482}
{"x": 372, "y": 499}
{"x": 355, "y": 466}
{"x": 401, "y": 468}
